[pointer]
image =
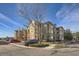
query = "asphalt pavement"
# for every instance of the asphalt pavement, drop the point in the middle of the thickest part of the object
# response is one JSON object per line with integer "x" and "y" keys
{"x": 13, "y": 50}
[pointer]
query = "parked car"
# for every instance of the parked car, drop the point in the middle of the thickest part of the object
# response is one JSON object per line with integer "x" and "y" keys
{"x": 14, "y": 41}
{"x": 27, "y": 42}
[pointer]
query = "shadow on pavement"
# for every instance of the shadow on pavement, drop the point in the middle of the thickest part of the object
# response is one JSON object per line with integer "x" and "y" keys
{"x": 54, "y": 52}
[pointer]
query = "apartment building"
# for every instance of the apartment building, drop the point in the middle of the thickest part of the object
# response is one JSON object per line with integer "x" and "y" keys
{"x": 60, "y": 33}
{"x": 49, "y": 31}
{"x": 24, "y": 31}
{"x": 35, "y": 30}
{"x": 18, "y": 34}
{"x": 40, "y": 31}
{"x": 21, "y": 34}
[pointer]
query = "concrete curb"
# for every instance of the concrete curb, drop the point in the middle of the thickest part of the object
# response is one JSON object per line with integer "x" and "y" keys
{"x": 21, "y": 45}
{"x": 29, "y": 47}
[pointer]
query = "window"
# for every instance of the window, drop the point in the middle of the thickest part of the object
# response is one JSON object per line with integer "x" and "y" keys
{"x": 31, "y": 30}
{"x": 45, "y": 25}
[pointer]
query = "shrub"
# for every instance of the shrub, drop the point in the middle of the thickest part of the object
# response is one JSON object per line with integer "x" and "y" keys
{"x": 39, "y": 45}
{"x": 30, "y": 42}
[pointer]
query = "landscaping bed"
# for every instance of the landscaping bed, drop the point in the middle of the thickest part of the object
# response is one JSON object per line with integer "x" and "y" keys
{"x": 39, "y": 45}
{"x": 34, "y": 43}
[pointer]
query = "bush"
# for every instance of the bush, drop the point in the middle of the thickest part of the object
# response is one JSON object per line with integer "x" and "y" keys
{"x": 30, "y": 42}
{"x": 39, "y": 45}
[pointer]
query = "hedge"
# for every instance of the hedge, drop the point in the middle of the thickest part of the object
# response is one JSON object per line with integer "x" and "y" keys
{"x": 39, "y": 45}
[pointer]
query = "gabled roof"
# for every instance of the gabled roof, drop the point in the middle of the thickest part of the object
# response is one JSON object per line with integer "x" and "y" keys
{"x": 49, "y": 23}
{"x": 61, "y": 27}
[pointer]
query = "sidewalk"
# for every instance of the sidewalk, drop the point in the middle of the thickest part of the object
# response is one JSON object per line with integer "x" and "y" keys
{"x": 50, "y": 47}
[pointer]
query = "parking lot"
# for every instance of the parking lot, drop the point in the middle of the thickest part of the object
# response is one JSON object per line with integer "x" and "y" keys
{"x": 13, "y": 50}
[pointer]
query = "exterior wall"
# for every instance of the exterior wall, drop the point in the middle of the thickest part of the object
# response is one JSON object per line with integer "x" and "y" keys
{"x": 56, "y": 35}
{"x": 24, "y": 34}
{"x": 74, "y": 36}
{"x": 34, "y": 30}
{"x": 61, "y": 33}
{"x": 46, "y": 32}
{"x": 19, "y": 35}
{"x": 16, "y": 34}
{"x": 37, "y": 30}
{"x": 40, "y": 31}
{"x": 31, "y": 31}
{"x": 49, "y": 31}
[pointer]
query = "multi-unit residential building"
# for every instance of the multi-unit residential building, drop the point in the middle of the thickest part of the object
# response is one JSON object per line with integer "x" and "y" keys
{"x": 40, "y": 31}
{"x": 18, "y": 34}
{"x": 60, "y": 33}
{"x": 49, "y": 31}
{"x": 21, "y": 34}
{"x": 33, "y": 30}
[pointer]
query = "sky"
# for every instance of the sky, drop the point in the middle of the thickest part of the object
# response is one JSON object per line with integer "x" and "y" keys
{"x": 66, "y": 15}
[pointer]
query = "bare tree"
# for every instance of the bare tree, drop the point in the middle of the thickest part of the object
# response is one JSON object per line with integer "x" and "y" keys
{"x": 32, "y": 12}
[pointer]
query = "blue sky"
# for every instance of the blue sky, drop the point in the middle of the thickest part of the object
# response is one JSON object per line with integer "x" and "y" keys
{"x": 66, "y": 15}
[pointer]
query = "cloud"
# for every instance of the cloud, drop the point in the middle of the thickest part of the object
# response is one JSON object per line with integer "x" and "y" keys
{"x": 65, "y": 10}
{"x": 6, "y": 33}
{"x": 11, "y": 21}
{"x": 69, "y": 17}
{"x": 8, "y": 25}
{"x": 5, "y": 26}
